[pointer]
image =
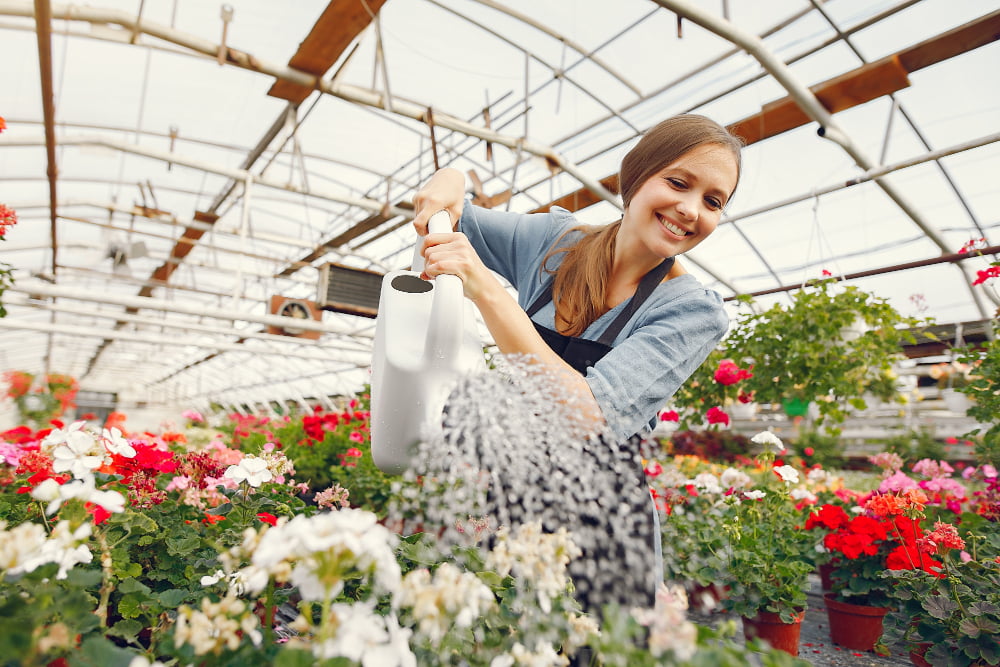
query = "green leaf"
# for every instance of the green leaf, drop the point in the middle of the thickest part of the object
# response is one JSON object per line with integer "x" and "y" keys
{"x": 977, "y": 626}
{"x": 940, "y": 607}
{"x": 131, "y": 606}
{"x": 127, "y": 629}
{"x": 134, "y": 586}
{"x": 293, "y": 658}
{"x": 99, "y": 652}
{"x": 221, "y": 510}
{"x": 182, "y": 546}
{"x": 171, "y": 598}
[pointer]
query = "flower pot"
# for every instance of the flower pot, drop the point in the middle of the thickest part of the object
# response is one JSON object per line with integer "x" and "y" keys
{"x": 826, "y": 575}
{"x": 854, "y": 626}
{"x": 743, "y": 410}
{"x": 956, "y": 401}
{"x": 795, "y": 407}
{"x": 917, "y": 655}
{"x": 770, "y": 628}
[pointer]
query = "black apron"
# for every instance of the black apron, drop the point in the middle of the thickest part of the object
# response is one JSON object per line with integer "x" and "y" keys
{"x": 581, "y": 353}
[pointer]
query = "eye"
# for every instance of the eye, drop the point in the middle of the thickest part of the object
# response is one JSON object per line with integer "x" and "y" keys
{"x": 713, "y": 203}
{"x": 677, "y": 183}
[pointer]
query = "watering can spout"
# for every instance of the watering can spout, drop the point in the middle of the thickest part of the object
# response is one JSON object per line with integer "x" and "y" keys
{"x": 425, "y": 340}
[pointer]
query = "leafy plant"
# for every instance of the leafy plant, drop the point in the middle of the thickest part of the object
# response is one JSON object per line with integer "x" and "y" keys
{"x": 984, "y": 390}
{"x": 810, "y": 350}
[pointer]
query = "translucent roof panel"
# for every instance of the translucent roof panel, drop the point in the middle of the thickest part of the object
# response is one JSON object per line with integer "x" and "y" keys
{"x": 207, "y": 160}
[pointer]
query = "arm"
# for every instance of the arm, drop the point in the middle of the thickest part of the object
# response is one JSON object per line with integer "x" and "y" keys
{"x": 510, "y": 326}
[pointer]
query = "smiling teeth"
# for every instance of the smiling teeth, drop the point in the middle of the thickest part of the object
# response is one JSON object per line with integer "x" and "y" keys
{"x": 673, "y": 228}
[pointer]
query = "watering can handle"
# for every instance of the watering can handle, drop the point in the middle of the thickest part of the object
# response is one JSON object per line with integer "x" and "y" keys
{"x": 440, "y": 223}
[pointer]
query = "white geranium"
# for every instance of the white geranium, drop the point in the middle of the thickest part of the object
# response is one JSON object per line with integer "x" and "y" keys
{"x": 18, "y": 544}
{"x": 74, "y": 450}
{"x": 769, "y": 439}
{"x": 537, "y": 559}
{"x": 707, "y": 482}
{"x": 803, "y": 494}
{"x": 450, "y": 597}
{"x": 732, "y": 478}
{"x": 63, "y": 546}
{"x": 788, "y": 474}
{"x": 116, "y": 443}
{"x": 669, "y": 629}
{"x": 55, "y": 494}
{"x": 754, "y": 495}
{"x": 366, "y": 638}
{"x": 252, "y": 469}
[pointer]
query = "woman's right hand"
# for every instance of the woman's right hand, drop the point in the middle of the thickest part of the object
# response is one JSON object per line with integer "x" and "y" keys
{"x": 445, "y": 191}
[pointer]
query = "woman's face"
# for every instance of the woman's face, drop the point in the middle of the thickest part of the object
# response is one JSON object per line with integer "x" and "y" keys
{"x": 677, "y": 208}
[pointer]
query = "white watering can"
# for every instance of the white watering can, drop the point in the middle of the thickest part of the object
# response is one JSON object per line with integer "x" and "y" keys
{"x": 425, "y": 339}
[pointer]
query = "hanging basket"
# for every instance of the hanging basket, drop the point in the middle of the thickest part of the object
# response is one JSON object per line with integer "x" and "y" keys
{"x": 854, "y": 626}
{"x": 956, "y": 401}
{"x": 795, "y": 407}
{"x": 770, "y": 628}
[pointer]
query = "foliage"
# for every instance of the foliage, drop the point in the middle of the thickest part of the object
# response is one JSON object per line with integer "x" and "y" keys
{"x": 116, "y": 547}
{"x": 819, "y": 449}
{"x": 915, "y": 445}
{"x": 807, "y": 350}
{"x": 984, "y": 390}
{"x": 952, "y": 612}
{"x": 41, "y": 402}
{"x": 8, "y": 218}
{"x": 708, "y": 444}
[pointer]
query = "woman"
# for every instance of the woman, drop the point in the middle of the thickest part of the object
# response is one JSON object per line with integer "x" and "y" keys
{"x": 607, "y": 305}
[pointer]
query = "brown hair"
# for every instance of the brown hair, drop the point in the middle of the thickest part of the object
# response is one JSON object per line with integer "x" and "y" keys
{"x": 579, "y": 290}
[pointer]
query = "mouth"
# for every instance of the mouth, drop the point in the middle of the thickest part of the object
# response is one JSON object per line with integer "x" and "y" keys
{"x": 671, "y": 227}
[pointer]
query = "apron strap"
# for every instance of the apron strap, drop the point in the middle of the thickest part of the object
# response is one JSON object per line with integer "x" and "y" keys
{"x": 642, "y": 292}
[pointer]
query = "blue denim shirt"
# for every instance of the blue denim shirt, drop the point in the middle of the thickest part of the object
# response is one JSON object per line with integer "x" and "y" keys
{"x": 660, "y": 347}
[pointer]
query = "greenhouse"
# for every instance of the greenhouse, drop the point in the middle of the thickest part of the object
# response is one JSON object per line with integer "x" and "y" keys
{"x": 249, "y": 416}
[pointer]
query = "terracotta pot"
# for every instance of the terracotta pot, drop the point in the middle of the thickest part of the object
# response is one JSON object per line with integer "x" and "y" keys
{"x": 825, "y": 575}
{"x": 917, "y": 655}
{"x": 769, "y": 627}
{"x": 854, "y": 626}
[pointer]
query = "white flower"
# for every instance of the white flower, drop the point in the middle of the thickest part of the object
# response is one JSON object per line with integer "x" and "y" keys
{"x": 451, "y": 597}
{"x": 252, "y": 470}
{"x": 803, "y": 494}
{"x": 669, "y": 629}
{"x": 62, "y": 547}
{"x": 74, "y": 450}
{"x": 754, "y": 495}
{"x": 788, "y": 474}
{"x": 732, "y": 478}
{"x": 55, "y": 495}
{"x": 769, "y": 439}
{"x": 707, "y": 482}
{"x": 818, "y": 476}
{"x": 536, "y": 559}
{"x": 366, "y": 637}
{"x": 18, "y": 544}
{"x": 116, "y": 443}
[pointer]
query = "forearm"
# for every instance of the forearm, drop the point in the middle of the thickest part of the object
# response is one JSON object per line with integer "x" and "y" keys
{"x": 515, "y": 334}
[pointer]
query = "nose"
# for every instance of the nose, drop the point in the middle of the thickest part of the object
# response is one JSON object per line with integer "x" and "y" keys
{"x": 686, "y": 209}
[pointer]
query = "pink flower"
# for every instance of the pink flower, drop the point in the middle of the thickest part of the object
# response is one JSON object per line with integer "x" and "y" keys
{"x": 356, "y": 436}
{"x": 354, "y": 451}
{"x": 898, "y": 481}
{"x": 653, "y": 469}
{"x": 986, "y": 274}
{"x": 717, "y": 415}
{"x": 670, "y": 416}
{"x": 808, "y": 451}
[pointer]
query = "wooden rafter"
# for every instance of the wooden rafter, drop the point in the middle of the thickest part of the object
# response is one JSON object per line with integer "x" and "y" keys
{"x": 864, "y": 84}
{"x": 339, "y": 24}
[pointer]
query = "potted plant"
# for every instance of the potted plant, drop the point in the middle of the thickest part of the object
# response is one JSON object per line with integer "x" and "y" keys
{"x": 769, "y": 553}
{"x": 951, "y": 614}
{"x": 814, "y": 350}
{"x": 715, "y": 392}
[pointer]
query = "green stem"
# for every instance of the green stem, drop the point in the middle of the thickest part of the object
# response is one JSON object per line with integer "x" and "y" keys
{"x": 107, "y": 580}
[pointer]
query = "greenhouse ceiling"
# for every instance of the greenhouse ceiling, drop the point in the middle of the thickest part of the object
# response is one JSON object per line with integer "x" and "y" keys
{"x": 182, "y": 171}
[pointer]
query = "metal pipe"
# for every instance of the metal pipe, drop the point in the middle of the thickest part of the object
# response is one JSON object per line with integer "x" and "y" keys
{"x": 362, "y": 361}
{"x": 198, "y": 310}
{"x": 949, "y": 258}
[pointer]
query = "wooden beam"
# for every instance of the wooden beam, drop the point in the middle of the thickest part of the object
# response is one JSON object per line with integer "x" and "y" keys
{"x": 856, "y": 87}
{"x": 185, "y": 244}
{"x": 339, "y": 24}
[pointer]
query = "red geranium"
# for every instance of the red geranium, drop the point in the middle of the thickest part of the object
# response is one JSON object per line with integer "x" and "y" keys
{"x": 729, "y": 373}
{"x": 717, "y": 415}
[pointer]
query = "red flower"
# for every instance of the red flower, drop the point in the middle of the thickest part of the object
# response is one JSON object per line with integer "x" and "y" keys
{"x": 268, "y": 518}
{"x": 353, "y": 451}
{"x": 670, "y": 416}
{"x": 717, "y": 415}
{"x": 808, "y": 451}
{"x": 729, "y": 373}
{"x": 212, "y": 519}
{"x": 986, "y": 274}
{"x": 3, "y": 124}
{"x": 99, "y": 513}
{"x": 828, "y": 516}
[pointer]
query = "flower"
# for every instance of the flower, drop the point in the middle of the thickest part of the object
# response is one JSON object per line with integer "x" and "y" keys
{"x": 729, "y": 373}
{"x": 116, "y": 444}
{"x": 252, "y": 469}
{"x": 74, "y": 450}
{"x": 8, "y": 218}
{"x": 267, "y": 518}
{"x": 717, "y": 415}
{"x": 449, "y": 598}
{"x": 669, "y": 416}
{"x": 769, "y": 439}
{"x": 984, "y": 275}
